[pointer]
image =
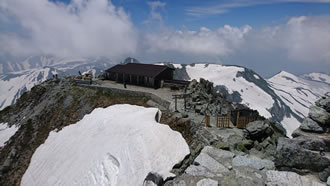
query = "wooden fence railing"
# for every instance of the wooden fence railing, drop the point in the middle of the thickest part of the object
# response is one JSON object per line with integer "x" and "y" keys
{"x": 243, "y": 121}
{"x": 223, "y": 121}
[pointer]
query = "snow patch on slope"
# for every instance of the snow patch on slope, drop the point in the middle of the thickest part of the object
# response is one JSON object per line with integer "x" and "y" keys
{"x": 6, "y": 132}
{"x": 251, "y": 95}
{"x": 290, "y": 124}
{"x": 117, "y": 145}
{"x": 299, "y": 94}
{"x": 12, "y": 88}
{"x": 317, "y": 77}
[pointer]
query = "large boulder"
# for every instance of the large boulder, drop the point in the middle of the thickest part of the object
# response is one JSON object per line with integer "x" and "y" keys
{"x": 256, "y": 163}
{"x": 207, "y": 182}
{"x": 258, "y": 130}
{"x": 285, "y": 178}
{"x": 324, "y": 102}
{"x": 319, "y": 115}
{"x": 210, "y": 163}
{"x": 310, "y": 125}
{"x": 324, "y": 174}
{"x": 153, "y": 179}
{"x": 302, "y": 153}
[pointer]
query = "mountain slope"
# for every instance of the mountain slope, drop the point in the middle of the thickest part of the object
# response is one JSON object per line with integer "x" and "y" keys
{"x": 319, "y": 77}
{"x": 297, "y": 93}
{"x": 14, "y": 84}
{"x": 269, "y": 97}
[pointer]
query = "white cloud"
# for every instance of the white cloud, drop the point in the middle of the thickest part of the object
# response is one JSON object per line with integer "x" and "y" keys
{"x": 226, "y": 6}
{"x": 205, "y": 42}
{"x": 81, "y": 28}
{"x": 304, "y": 39}
{"x": 307, "y": 39}
{"x": 300, "y": 40}
{"x": 155, "y": 15}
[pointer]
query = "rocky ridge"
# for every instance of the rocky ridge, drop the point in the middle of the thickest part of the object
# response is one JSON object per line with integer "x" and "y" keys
{"x": 252, "y": 156}
{"x": 309, "y": 150}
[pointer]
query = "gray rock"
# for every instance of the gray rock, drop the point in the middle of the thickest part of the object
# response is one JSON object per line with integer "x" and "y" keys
{"x": 210, "y": 163}
{"x": 258, "y": 130}
{"x": 255, "y": 163}
{"x": 153, "y": 179}
{"x": 149, "y": 183}
{"x": 207, "y": 182}
{"x": 218, "y": 154}
{"x": 324, "y": 174}
{"x": 324, "y": 102}
{"x": 301, "y": 153}
{"x": 233, "y": 139}
{"x": 194, "y": 170}
{"x": 298, "y": 132}
{"x": 249, "y": 177}
{"x": 223, "y": 156}
{"x": 284, "y": 178}
{"x": 198, "y": 108}
{"x": 310, "y": 125}
{"x": 319, "y": 114}
{"x": 179, "y": 183}
{"x": 328, "y": 181}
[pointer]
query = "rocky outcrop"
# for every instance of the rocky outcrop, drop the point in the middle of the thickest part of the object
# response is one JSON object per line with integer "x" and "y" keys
{"x": 319, "y": 115}
{"x": 216, "y": 166}
{"x": 285, "y": 178}
{"x": 219, "y": 167}
{"x": 310, "y": 125}
{"x": 324, "y": 103}
{"x": 204, "y": 99}
{"x": 302, "y": 153}
{"x": 309, "y": 150}
{"x": 258, "y": 130}
{"x": 255, "y": 163}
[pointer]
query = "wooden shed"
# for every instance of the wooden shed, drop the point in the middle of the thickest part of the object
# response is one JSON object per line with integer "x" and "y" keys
{"x": 147, "y": 75}
{"x": 241, "y": 115}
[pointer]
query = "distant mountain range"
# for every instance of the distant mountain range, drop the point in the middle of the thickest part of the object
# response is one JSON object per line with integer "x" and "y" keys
{"x": 284, "y": 98}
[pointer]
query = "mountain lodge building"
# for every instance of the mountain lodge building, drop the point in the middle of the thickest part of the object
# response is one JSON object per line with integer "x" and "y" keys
{"x": 147, "y": 75}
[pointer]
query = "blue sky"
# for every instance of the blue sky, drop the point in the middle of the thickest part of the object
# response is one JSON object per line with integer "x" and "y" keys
{"x": 176, "y": 13}
{"x": 290, "y": 35}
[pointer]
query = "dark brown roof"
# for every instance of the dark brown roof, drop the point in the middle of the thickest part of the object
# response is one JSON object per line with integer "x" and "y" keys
{"x": 139, "y": 69}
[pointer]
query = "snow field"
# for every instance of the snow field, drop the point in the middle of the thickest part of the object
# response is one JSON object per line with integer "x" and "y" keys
{"x": 6, "y": 132}
{"x": 117, "y": 145}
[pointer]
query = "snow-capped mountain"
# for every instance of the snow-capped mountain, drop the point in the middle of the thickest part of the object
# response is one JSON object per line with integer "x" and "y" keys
{"x": 13, "y": 85}
{"x": 320, "y": 77}
{"x": 38, "y": 69}
{"x": 283, "y": 98}
{"x": 297, "y": 93}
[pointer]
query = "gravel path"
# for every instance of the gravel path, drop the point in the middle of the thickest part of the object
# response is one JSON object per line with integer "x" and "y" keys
{"x": 164, "y": 93}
